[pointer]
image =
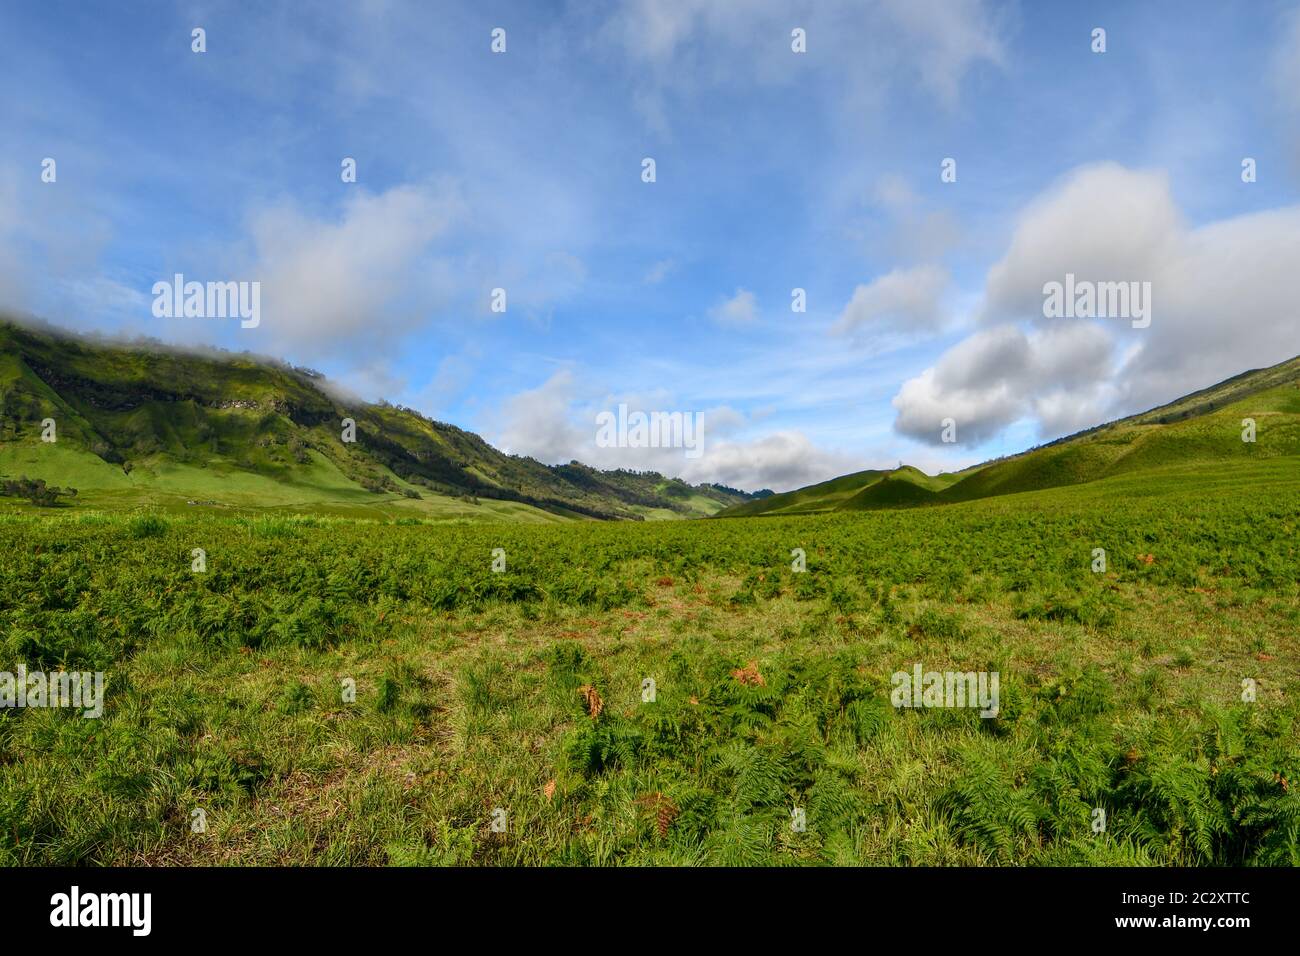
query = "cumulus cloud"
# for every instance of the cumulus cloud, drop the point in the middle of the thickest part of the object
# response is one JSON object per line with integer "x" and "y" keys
{"x": 1222, "y": 302}
{"x": 539, "y": 422}
{"x": 556, "y": 422}
{"x": 948, "y": 391}
{"x": 904, "y": 299}
{"x": 781, "y": 461}
{"x": 1102, "y": 223}
{"x": 740, "y": 309}
{"x": 351, "y": 281}
{"x": 1000, "y": 375}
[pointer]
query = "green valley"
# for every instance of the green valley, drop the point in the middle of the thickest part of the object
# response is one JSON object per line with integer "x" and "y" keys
{"x": 411, "y": 650}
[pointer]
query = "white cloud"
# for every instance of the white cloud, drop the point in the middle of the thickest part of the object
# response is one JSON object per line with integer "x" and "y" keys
{"x": 904, "y": 299}
{"x": 555, "y": 423}
{"x": 740, "y": 309}
{"x": 998, "y": 376}
{"x": 780, "y": 461}
{"x": 1101, "y": 222}
{"x": 348, "y": 282}
{"x": 539, "y": 422}
{"x": 925, "y": 402}
{"x": 1223, "y": 301}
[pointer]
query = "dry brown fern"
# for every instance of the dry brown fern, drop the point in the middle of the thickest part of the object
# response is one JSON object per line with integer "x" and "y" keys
{"x": 592, "y": 699}
{"x": 749, "y": 675}
{"x": 663, "y": 808}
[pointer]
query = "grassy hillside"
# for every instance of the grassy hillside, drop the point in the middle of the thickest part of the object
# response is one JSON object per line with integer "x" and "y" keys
{"x": 1183, "y": 433}
{"x": 144, "y": 424}
{"x": 839, "y": 492}
{"x": 895, "y": 490}
{"x": 1203, "y": 429}
{"x": 818, "y": 497}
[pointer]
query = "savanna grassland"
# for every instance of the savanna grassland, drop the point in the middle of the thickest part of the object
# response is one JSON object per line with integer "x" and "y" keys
{"x": 522, "y": 689}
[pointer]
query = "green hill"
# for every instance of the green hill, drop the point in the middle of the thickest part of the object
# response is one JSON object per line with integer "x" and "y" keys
{"x": 848, "y": 492}
{"x": 893, "y": 491}
{"x": 818, "y": 497}
{"x": 142, "y": 423}
{"x": 1202, "y": 430}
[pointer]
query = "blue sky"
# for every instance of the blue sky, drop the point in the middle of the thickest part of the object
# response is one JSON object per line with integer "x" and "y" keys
{"x": 775, "y": 170}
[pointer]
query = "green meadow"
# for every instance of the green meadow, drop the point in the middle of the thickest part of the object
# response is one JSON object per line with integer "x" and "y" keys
{"x": 364, "y": 688}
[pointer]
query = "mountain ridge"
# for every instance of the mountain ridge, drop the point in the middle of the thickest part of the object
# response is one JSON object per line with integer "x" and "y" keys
{"x": 180, "y": 424}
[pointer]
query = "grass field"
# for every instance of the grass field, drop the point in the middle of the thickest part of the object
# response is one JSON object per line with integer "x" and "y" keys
{"x": 521, "y": 691}
{"x": 173, "y": 488}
